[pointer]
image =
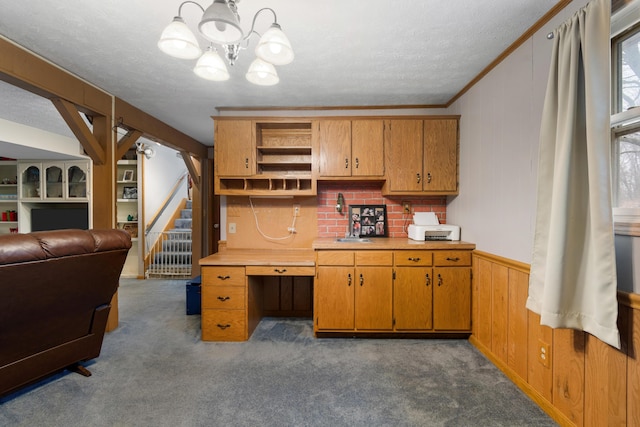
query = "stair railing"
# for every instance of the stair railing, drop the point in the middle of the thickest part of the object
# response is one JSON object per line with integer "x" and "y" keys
{"x": 163, "y": 207}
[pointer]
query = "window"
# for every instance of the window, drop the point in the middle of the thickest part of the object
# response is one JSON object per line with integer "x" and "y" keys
{"x": 625, "y": 120}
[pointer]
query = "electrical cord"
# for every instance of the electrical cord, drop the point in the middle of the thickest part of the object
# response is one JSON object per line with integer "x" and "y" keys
{"x": 292, "y": 229}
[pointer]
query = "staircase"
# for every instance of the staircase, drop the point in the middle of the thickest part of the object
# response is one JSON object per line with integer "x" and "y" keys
{"x": 170, "y": 250}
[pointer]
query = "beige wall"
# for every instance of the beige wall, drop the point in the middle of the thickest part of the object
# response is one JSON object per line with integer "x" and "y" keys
{"x": 499, "y": 131}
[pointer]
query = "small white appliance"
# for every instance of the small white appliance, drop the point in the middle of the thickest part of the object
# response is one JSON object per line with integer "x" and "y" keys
{"x": 427, "y": 227}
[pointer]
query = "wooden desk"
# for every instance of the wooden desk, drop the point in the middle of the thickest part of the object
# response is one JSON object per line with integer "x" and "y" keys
{"x": 238, "y": 288}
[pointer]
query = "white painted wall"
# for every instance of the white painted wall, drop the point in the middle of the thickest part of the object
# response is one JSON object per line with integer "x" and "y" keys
{"x": 14, "y": 137}
{"x": 160, "y": 175}
{"x": 499, "y": 131}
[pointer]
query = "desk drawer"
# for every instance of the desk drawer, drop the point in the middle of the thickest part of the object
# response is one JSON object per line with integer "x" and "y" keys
{"x": 223, "y": 276}
{"x": 259, "y": 270}
{"x": 224, "y": 325}
{"x": 223, "y": 297}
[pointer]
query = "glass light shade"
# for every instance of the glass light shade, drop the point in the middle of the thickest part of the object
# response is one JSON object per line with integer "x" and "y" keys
{"x": 178, "y": 41}
{"x": 220, "y": 24}
{"x": 211, "y": 67}
{"x": 274, "y": 46}
{"x": 262, "y": 73}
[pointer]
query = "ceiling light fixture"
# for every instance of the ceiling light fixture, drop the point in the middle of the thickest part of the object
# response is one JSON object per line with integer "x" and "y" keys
{"x": 220, "y": 24}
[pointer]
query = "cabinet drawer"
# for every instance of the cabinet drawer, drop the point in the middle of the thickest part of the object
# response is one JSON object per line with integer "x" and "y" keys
{"x": 412, "y": 258}
{"x": 335, "y": 258}
{"x": 223, "y": 276}
{"x": 223, "y": 297}
{"x": 452, "y": 258}
{"x": 224, "y": 325}
{"x": 255, "y": 270}
{"x": 374, "y": 258}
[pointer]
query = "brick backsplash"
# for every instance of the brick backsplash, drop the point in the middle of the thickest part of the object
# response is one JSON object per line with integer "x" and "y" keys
{"x": 333, "y": 224}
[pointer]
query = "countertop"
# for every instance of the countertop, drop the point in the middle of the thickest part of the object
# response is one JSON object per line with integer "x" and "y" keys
{"x": 287, "y": 257}
{"x": 386, "y": 243}
{"x": 306, "y": 257}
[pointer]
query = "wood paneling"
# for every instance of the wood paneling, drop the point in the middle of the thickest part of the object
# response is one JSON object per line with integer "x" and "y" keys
{"x": 568, "y": 378}
{"x": 517, "y": 327}
{"x": 605, "y": 384}
{"x": 582, "y": 381}
{"x": 499, "y": 310}
{"x": 482, "y": 275}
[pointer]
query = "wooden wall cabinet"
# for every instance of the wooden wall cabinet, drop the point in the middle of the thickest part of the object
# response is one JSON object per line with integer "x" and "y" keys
{"x": 351, "y": 148}
{"x": 422, "y": 156}
{"x": 415, "y": 155}
{"x": 263, "y": 157}
{"x": 233, "y": 148}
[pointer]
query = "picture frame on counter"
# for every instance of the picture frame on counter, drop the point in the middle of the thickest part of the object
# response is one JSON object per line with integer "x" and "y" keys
{"x": 368, "y": 220}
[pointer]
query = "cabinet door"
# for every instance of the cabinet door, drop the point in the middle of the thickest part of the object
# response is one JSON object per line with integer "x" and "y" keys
{"x": 233, "y": 146}
{"x": 452, "y": 298}
{"x": 367, "y": 147}
{"x": 441, "y": 155}
{"x": 54, "y": 180}
{"x": 374, "y": 298}
{"x": 413, "y": 298}
{"x": 29, "y": 180}
{"x": 404, "y": 166}
{"x": 334, "y": 292}
{"x": 335, "y": 147}
{"x": 77, "y": 180}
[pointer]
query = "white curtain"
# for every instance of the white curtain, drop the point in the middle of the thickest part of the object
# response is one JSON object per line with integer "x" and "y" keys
{"x": 573, "y": 274}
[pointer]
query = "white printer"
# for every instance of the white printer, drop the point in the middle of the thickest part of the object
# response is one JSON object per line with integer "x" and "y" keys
{"x": 427, "y": 227}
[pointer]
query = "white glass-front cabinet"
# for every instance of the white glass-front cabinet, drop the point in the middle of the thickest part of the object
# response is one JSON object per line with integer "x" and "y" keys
{"x": 66, "y": 181}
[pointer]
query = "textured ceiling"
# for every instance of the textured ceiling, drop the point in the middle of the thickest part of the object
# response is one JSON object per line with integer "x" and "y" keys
{"x": 348, "y": 53}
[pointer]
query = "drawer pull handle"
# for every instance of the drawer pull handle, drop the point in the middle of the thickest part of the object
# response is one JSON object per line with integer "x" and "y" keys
{"x": 357, "y": 163}
{"x": 224, "y": 277}
{"x": 346, "y": 163}
{"x": 429, "y": 178}
{"x": 361, "y": 280}
{"x": 418, "y": 178}
{"x": 223, "y": 327}
{"x": 454, "y": 259}
{"x": 349, "y": 280}
{"x": 224, "y": 298}
{"x": 277, "y": 270}
{"x": 428, "y": 280}
{"x": 413, "y": 259}
{"x": 439, "y": 280}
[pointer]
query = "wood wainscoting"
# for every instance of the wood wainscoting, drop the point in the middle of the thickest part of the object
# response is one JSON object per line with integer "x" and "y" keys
{"x": 580, "y": 381}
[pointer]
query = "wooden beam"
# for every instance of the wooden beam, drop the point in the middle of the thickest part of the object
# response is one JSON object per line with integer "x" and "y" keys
{"x": 194, "y": 170}
{"x": 35, "y": 74}
{"x": 131, "y": 117}
{"x": 70, "y": 114}
{"x": 126, "y": 142}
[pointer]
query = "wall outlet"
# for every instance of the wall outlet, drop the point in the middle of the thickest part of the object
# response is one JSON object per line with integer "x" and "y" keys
{"x": 296, "y": 210}
{"x": 544, "y": 353}
{"x": 232, "y": 227}
{"x": 406, "y": 208}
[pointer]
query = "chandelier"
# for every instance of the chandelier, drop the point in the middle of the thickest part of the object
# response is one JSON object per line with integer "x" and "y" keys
{"x": 220, "y": 25}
